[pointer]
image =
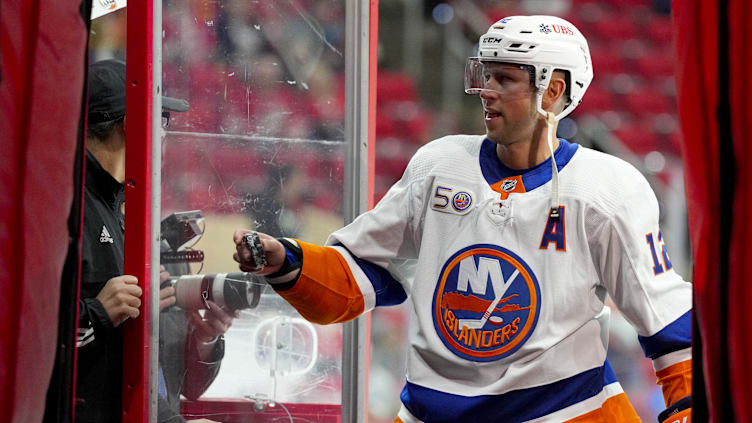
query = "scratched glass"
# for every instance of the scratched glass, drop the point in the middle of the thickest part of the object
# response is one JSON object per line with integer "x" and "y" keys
{"x": 262, "y": 147}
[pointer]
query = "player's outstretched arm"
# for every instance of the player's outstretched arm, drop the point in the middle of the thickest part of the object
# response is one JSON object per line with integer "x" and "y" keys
{"x": 316, "y": 280}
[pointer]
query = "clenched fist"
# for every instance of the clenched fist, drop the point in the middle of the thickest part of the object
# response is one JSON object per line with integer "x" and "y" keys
{"x": 274, "y": 250}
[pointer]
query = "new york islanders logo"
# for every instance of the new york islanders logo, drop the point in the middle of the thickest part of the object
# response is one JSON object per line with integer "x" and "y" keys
{"x": 486, "y": 304}
{"x": 461, "y": 201}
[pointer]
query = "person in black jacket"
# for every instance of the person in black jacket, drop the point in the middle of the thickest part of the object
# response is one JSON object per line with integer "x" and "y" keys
{"x": 108, "y": 297}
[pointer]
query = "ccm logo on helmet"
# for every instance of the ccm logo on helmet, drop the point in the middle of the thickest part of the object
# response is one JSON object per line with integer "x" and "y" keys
{"x": 486, "y": 304}
{"x": 491, "y": 40}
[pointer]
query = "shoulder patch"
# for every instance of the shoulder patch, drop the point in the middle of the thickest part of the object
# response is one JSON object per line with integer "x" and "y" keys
{"x": 447, "y": 197}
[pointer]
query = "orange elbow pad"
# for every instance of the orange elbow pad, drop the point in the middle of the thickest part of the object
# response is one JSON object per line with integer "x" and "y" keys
{"x": 326, "y": 291}
{"x": 676, "y": 381}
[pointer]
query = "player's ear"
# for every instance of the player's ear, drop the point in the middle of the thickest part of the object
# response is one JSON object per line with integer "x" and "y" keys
{"x": 555, "y": 91}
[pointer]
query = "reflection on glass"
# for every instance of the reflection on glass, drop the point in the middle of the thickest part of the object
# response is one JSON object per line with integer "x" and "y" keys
{"x": 261, "y": 148}
{"x": 265, "y": 68}
{"x": 285, "y": 346}
{"x": 280, "y": 356}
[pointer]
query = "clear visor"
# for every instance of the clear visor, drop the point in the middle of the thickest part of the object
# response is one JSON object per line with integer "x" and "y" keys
{"x": 474, "y": 76}
{"x": 499, "y": 77}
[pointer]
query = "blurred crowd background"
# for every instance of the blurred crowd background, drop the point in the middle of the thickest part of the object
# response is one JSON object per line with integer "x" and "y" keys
{"x": 262, "y": 144}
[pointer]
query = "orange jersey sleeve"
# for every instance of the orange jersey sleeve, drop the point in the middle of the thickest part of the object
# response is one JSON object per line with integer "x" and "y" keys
{"x": 326, "y": 291}
{"x": 676, "y": 381}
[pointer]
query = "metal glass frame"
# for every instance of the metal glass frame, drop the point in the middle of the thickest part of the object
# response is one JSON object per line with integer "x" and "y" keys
{"x": 143, "y": 191}
{"x": 142, "y": 126}
{"x": 355, "y": 343}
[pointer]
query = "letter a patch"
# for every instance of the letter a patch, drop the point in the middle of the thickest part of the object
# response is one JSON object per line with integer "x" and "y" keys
{"x": 105, "y": 237}
{"x": 555, "y": 232}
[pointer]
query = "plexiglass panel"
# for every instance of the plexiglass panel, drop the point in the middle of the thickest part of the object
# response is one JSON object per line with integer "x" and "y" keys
{"x": 261, "y": 147}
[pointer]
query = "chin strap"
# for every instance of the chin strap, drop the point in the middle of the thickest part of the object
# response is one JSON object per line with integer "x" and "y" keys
{"x": 551, "y": 126}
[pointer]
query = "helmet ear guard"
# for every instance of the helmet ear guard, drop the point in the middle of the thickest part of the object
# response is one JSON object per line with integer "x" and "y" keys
{"x": 542, "y": 79}
{"x": 545, "y": 78}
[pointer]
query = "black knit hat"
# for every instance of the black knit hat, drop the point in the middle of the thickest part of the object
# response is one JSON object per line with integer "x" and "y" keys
{"x": 107, "y": 93}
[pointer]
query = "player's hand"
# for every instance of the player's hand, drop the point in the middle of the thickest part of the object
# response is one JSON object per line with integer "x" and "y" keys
{"x": 167, "y": 294}
{"x": 216, "y": 321}
{"x": 273, "y": 249}
{"x": 679, "y": 412}
{"x": 121, "y": 298}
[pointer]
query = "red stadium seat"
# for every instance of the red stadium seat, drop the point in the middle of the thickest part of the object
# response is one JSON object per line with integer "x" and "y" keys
{"x": 596, "y": 100}
{"x": 647, "y": 101}
{"x": 394, "y": 86}
{"x": 608, "y": 61}
{"x": 391, "y": 167}
{"x": 629, "y": 4}
{"x": 616, "y": 27}
{"x": 659, "y": 30}
{"x": 638, "y": 140}
{"x": 657, "y": 65}
{"x": 385, "y": 125}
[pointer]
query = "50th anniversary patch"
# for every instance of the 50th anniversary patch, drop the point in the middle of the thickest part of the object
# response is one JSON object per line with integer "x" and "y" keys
{"x": 486, "y": 303}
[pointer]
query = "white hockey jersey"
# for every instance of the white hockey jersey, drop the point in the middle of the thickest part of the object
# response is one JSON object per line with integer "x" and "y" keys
{"x": 504, "y": 296}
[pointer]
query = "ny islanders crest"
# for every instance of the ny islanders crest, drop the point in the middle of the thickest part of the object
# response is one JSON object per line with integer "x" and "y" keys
{"x": 486, "y": 303}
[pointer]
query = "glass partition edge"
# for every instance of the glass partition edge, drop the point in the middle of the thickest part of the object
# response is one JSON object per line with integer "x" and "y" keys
{"x": 156, "y": 204}
{"x": 354, "y": 343}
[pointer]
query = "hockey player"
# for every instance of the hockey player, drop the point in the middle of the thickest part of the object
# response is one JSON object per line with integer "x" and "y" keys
{"x": 506, "y": 258}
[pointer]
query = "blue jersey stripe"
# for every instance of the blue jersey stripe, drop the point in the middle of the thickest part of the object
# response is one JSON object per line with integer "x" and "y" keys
{"x": 432, "y": 406}
{"x": 388, "y": 290}
{"x": 676, "y": 336}
{"x": 494, "y": 170}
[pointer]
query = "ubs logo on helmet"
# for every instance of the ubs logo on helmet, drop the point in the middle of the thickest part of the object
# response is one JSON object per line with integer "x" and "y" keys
{"x": 562, "y": 29}
{"x": 486, "y": 304}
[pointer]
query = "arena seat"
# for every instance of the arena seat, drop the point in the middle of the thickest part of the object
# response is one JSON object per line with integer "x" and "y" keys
{"x": 657, "y": 65}
{"x": 597, "y": 100}
{"x": 616, "y": 27}
{"x": 606, "y": 60}
{"x": 659, "y": 30}
{"x": 639, "y": 140}
{"x": 647, "y": 101}
{"x": 395, "y": 86}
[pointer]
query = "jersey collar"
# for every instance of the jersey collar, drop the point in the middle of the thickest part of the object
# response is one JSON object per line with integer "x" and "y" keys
{"x": 494, "y": 170}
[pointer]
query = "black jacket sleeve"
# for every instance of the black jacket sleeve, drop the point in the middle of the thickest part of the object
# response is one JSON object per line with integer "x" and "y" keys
{"x": 93, "y": 320}
{"x": 200, "y": 374}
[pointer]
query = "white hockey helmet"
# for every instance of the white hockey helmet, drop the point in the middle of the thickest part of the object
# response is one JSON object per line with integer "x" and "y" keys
{"x": 546, "y": 43}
